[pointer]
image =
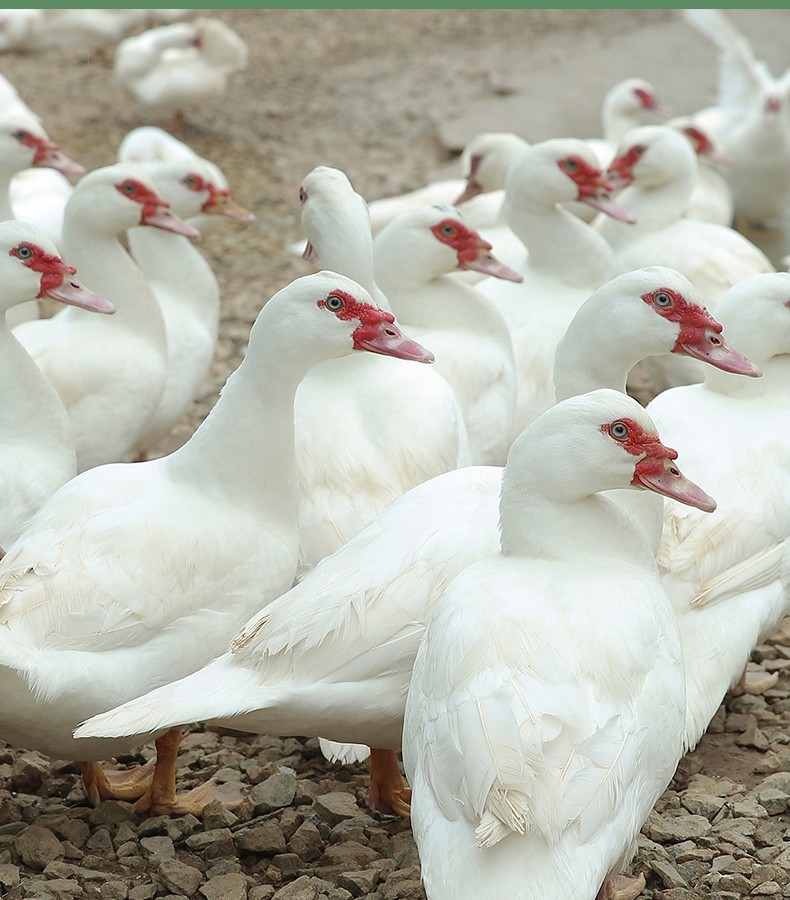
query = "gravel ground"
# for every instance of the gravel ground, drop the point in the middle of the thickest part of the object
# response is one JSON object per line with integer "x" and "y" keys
{"x": 389, "y": 96}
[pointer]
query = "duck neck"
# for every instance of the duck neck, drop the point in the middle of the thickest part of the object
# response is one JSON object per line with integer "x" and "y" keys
{"x": 581, "y": 527}
{"x": 177, "y": 272}
{"x": 31, "y": 409}
{"x": 563, "y": 245}
{"x": 104, "y": 265}
{"x": 243, "y": 453}
{"x": 6, "y": 211}
{"x": 654, "y": 208}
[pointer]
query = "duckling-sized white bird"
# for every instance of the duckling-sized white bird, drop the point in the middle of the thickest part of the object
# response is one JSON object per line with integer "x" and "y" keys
{"x": 135, "y": 574}
{"x": 334, "y": 655}
{"x": 37, "y": 450}
{"x": 109, "y": 379}
{"x": 414, "y": 258}
{"x": 750, "y": 121}
{"x": 182, "y": 65}
{"x": 566, "y": 261}
{"x": 185, "y": 286}
{"x": 545, "y": 713}
{"x": 365, "y": 433}
{"x": 728, "y": 574}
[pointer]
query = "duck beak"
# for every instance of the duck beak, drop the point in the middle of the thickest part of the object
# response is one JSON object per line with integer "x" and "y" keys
{"x": 608, "y": 206}
{"x": 713, "y": 349}
{"x": 222, "y": 204}
{"x": 162, "y": 217}
{"x": 54, "y": 159}
{"x": 74, "y": 293}
{"x": 472, "y": 189}
{"x": 488, "y": 264}
{"x": 386, "y": 338}
{"x": 665, "y": 478}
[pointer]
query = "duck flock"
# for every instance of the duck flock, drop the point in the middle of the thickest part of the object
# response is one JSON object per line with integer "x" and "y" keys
{"x": 424, "y": 514}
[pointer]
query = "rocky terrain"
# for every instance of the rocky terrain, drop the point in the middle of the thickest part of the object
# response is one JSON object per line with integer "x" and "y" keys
{"x": 389, "y": 96}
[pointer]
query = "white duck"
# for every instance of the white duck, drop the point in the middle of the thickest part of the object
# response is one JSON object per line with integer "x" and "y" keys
{"x": 659, "y": 168}
{"x": 334, "y": 655}
{"x": 750, "y": 121}
{"x": 711, "y": 199}
{"x": 186, "y": 64}
{"x": 628, "y": 104}
{"x": 135, "y": 574}
{"x": 22, "y": 29}
{"x": 545, "y": 713}
{"x": 567, "y": 260}
{"x": 728, "y": 574}
{"x": 185, "y": 286}
{"x": 109, "y": 373}
{"x": 414, "y": 257}
{"x": 37, "y": 451}
{"x": 367, "y": 430}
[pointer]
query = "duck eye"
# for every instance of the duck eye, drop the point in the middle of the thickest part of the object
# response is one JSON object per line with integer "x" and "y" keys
{"x": 23, "y": 252}
{"x": 190, "y": 181}
{"x": 448, "y": 230}
{"x": 619, "y": 431}
{"x": 570, "y": 165}
{"x": 662, "y": 299}
{"x": 639, "y": 149}
{"x": 20, "y": 135}
{"x": 334, "y": 302}
{"x": 127, "y": 187}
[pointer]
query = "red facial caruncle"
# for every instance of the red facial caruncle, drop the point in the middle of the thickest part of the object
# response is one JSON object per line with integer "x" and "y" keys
{"x": 42, "y": 146}
{"x": 346, "y": 307}
{"x": 52, "y": 268}
{"x": 467, "y": 243}
{"x": 699, "y": 140}
{"x": 623, "y": 166}
{"x": 137, "y": 191}
{"x": 589, "y": 180}
{"x": 635, "y": 440}
{"x": 647, "y": 99}
{"x": 692, "y": 318}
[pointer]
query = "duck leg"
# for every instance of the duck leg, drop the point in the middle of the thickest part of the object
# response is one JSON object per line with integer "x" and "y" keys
{"x": 754, "y": 683}
{"x": 621, "y": 887}
{"x": 100, "y": 784}
{"x": 161, "y": 797}
{"x": 388, "y": 791}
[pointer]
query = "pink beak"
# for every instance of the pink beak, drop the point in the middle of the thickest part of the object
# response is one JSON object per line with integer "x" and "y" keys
{"x": 671, "y": 482}
{"x": 713, "y": 349}
{"x": 605, "y": 205}
{"x": 54, "y": 159}
{"x": 487, "y": 263}
{"x": 163, "y": 218}
{"x": 75, "y": 294}
{"x": 472, "y": 189}
{"x": 386, "y": 338}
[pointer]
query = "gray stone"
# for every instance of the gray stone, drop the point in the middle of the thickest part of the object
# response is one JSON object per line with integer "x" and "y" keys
{"x": 266, "y": 839}
{"x": 702, "y": 804}
{"x": 217, "y": 815}
{"x": 335, "y": 807}
{"x": 669, "y": 875}
{"x": 306, "y": 842}
{"x": 143, "y": 892}
{"x": 766, "y": 889}
{"x": 223, "y": 867}
{"x": 225, "y": 887}
{"x": 114, "y": 890}
{"x": 9, "y": 876}
{"x": 38, "y": 846}
{"x": 203, "y": 840}
{"x": 358, "y": 884}
{"x": 101, "y": 841}
{"x": 28, "y": 772}
{"x": 301, "y": 889}
{"x": 774, "y": 801}
{"x": 157, "y": 847}
{"x": 112, "y": 812}
{"x": 276, "y": 792}
{"x": 668, "y": 829}
{"x": 349, "y": 855}
{"x": 261, "y": 892}
{"x": 178, "y": 877}
{"x": 75, "y": 831}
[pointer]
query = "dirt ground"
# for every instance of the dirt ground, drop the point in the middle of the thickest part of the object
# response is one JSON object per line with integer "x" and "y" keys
{"x": 390, "y": 97}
